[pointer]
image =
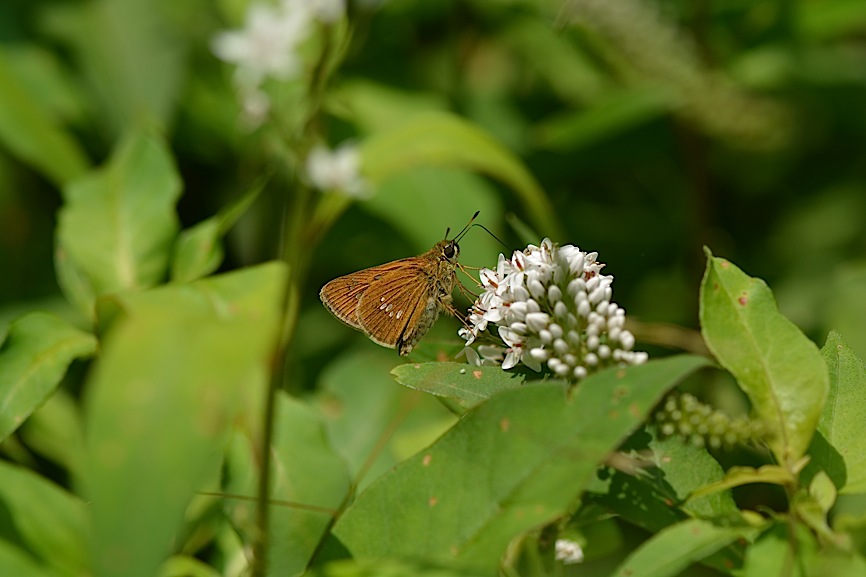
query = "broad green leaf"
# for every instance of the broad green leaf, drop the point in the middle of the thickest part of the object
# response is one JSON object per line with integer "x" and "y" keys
{"x": 685, "y": 468}
{"x": 118, "y": 223}
{"x": 184, "y": 566}
{"x": 31, "y": 131}
{"x": 779, "y": 552}
{"x": 460, "y": 386}
{"x": 673, "y": 549}
{"x": 423, "y": 202}
{"x": 513, "y": 463}
{"x": 56, "y": 431}
{"x": 572, "y": 74}
{"x": 441, "y": 139}
{"x": 43, "y": 519}
{"x": 33, "y": 359}
{"x": 198, "y": 251}
{"x": 375, "y": 107}
{"x": 736, "y": 476}
{"x": 841, "y": 423}
{"x": 138, "y": 84}
{"x": 779, "y": 369}
{"x": 362, "y": 407}
{"x": 608, "y": 117}
{"x": 309, "y": 484}
{"x": 160, "y": 403}
{"x": 17, "y": 562}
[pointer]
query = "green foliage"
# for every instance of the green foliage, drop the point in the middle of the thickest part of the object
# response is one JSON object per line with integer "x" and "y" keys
{"x": 174, "y": 400}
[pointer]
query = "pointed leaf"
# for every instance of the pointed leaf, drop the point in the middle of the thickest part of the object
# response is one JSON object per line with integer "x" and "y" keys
{"x": 442, "y": 139}
{"x": 44, "y": 519}
{"x": 160, "y": 402}
{"x": 672, "y": 550}
{"x": 513, "y": 463}
{"x": 32, "y": 133}
{"x": 841, "y": 423}
{"x": 779, "y": 369}
{"x": 33, "y": 359}
{"x": 198, "y": 251}
{"x": 460, "y": 386}
{"x": 118, "y": 222}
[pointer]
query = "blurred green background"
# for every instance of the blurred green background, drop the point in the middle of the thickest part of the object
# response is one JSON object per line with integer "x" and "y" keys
{"x": 654, "y": 128}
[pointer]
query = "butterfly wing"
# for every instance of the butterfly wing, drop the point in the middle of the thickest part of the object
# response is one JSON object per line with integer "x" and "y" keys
{"x": 393, "y": 309}
{"x": 342, "y": 295}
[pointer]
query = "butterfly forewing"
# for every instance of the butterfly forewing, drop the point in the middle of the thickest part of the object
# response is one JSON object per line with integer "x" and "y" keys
{"x": 388, "y": 307}
{"x": 341, "y": 295}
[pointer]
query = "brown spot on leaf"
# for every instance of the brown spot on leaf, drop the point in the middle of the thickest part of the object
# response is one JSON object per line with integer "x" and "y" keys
{"x": 477, "y": 374}
{"x": 504, "y": 425}
{"x": 417, "y": 366}
{"x": 634, "y": 411}
{"x": 426, "y": 460}
{"x": 432, "y": 501}
{"x": 743, "y": 300}
{"x": 725, "y": 264}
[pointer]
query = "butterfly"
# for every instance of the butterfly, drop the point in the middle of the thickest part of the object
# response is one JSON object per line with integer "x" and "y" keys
{"x": 396, "y": 303}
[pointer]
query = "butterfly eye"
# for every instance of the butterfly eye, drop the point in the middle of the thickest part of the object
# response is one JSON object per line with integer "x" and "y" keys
{"x": 450, "y": 250}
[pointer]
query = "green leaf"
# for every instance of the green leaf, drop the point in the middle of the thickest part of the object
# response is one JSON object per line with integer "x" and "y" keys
{"x": 14, "y": 561}
{"x": 33, "y": 359}
{"x": 32, "y": 132}
{"x": 160, "y": 403}
{"x": 138, "y": 85}
{"x": 183, "y": 566}
{"x": 198, "y": 251}
{"x": 442, "y": 139}
{"x": 779, "y": 369}
{"x": 615, "y": 114}
{"x": 308, "y": 472}
{"x": 673, "y": 549}
{"x": 736, "y": 476}
{"x": 56, "y": 431}
{"x": 361, "y": 405}
{"x": 459, "y": 385}
{"x": 840, "y": 449}
{"x": 421, "y": 203}
{"x": 43, "y": 519}
{"x": 685, "y": 468}
{"x": 513, "y": 463}
{"x": 118, "y": 223}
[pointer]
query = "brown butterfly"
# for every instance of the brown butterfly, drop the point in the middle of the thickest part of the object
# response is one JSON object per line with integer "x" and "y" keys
{"x": 396, "y": 303}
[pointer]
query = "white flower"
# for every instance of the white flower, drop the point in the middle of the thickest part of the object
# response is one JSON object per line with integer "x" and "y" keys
{"x": 569, "y": 552}
{"x": 327, "y": 11}
{"x": 337, "y": 171}
{"x": 266, "y": 46}
{"x": 551, "y": 305}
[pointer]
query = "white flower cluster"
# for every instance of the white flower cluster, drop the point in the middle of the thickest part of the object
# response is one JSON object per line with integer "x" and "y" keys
{"x": 267, "y": 46}
{"x": 337, "y": 171}
{"x": 551, "y": 305}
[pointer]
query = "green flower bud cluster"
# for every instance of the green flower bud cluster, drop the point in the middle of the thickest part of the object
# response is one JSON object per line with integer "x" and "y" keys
{"x": 683, "y": 415}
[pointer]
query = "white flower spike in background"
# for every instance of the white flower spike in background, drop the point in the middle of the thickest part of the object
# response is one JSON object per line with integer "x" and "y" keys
{"x": 337, "y": 170}
{"x": 268, "y": 45}
{"x": 550, "y": 304}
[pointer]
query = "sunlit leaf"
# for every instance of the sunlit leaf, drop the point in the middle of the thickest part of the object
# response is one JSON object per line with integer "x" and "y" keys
{"x": 118, "y": 222}
{"x": 31, "y": 131}
{"x": 44, "y": 519}
{"x": 841, "y": 424}
{"x": 779, "y": 369}
{"x": 33, "y": 359}
{"x": 512, "y": 463}
{"x": 673, "y": 549}
{"x": 160, "y": 403}
{"x": 460, "y": 386}
{"x": 442, "y": 139}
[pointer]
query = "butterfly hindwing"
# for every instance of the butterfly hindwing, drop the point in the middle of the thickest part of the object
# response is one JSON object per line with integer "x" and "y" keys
{"x": 397, "y": 302}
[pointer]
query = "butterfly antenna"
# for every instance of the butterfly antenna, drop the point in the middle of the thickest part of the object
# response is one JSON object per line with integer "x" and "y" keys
{"x": 465, "y": 228}
{"x": 491, "y": 234}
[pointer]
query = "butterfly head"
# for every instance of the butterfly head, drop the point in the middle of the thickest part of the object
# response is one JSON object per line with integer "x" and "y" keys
{"x": 450, "y": 251}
